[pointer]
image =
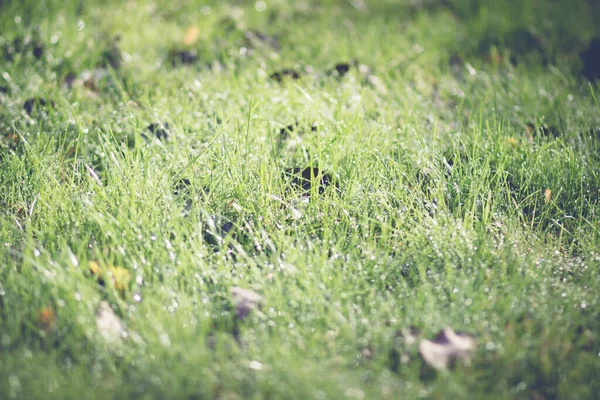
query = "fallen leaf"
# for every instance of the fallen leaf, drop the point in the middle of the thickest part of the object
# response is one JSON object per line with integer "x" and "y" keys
{"x": 447, "y": 348}
{"x": 245, "y": 301}
{"x": 108, "y": 324}
{"x": 191, "y": 35}
{"x": 96, "y": 271}
{"x": 120, "y": 278}
{"x": 95, "y": 268}
{"x": 548, "y": 196}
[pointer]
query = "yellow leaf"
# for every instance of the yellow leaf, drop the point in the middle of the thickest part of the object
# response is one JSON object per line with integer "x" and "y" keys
{"x": 120, "y": 277}
{"x": 548, "y": 196}
{"x": 513, "y": 142}
{"x": 191, "y": 35}
{"x": 95, "y": 268}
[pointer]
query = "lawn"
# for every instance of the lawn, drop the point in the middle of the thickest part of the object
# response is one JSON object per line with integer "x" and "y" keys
{"x": 296, "y": 199}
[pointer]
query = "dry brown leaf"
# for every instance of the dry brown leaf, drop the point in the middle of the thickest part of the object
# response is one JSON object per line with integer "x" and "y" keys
{"x": 447, "y": 347}
{"x": 245, "y": 301}
{"x": 191, "y": 35}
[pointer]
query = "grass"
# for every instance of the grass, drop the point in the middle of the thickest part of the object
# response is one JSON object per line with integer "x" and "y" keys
{"x": 446, "y": 209}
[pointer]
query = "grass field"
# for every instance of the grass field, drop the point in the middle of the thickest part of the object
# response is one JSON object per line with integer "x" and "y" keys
{"x": 371, "y": 172}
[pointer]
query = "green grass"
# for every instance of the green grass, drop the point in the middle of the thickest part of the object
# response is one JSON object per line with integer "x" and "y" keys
{"x": 439, "y": 215}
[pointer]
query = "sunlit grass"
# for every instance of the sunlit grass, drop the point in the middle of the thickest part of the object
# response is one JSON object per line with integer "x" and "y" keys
{"x": 444, "y": 208}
